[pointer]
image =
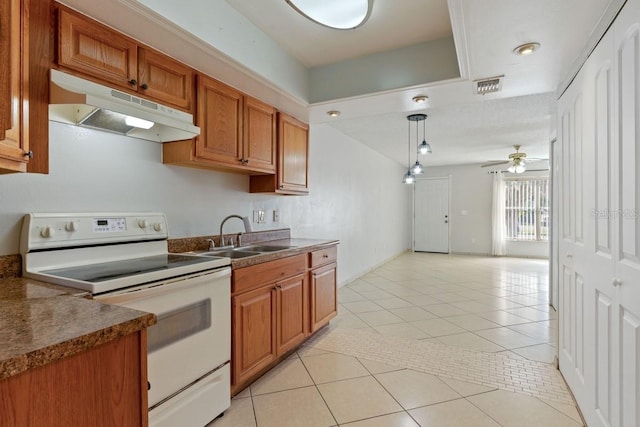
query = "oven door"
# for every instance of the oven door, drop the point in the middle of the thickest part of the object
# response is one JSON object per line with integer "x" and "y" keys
{"x": 193, "y": 333}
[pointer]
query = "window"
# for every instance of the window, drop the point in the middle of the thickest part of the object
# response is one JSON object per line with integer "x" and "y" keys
{"x": 527, "y": 209}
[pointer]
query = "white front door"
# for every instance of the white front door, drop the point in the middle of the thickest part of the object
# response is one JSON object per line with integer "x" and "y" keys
{"x": 431, "y": 215}
{"x": 599, "y": 230}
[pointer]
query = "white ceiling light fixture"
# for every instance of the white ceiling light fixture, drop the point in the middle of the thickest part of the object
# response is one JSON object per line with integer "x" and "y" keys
{"x": 336, "y": 14}
{"x": 420, "y": 99}
{"x": 526, "y": 49}
{"x": 333, "y": 113}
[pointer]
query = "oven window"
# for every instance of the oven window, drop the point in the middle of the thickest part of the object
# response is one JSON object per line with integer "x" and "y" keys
{"x": 178, "y": 324}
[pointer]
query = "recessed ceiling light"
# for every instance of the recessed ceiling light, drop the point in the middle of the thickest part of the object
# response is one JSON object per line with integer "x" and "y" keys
{"x": 526, "y": 49}
{"x": 337, "y": 14}
{"x": 333, "y": 113}
{"x": 420, "y": 99}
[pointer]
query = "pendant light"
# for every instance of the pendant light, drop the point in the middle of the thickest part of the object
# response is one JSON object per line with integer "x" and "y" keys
{"x": 424, "y": 148}
{"x": 417, "y": 168}
{"x": 409, "y": 177}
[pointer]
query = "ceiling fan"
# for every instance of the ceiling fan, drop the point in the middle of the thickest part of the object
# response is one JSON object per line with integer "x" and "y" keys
{"x": 516, "y": 160}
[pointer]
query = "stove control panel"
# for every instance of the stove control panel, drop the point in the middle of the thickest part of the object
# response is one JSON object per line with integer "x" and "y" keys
{"x": 57, "y": 230}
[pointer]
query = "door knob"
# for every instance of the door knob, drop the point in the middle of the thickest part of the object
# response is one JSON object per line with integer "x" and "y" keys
{"x": 446, "y": 222}
{"x": 616, "y": 282}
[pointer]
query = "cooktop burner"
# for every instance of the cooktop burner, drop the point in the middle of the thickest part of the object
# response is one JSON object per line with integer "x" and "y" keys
{"x": 95, "y": 273}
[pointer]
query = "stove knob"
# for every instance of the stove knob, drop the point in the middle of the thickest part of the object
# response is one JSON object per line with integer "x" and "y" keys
{"x": 142, "y": 223}
{"x": 157, "y": 227}
{"x": 47, "y": 232}
{"x": 71, "y": 226}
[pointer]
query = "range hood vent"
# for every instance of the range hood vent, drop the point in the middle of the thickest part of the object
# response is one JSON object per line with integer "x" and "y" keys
{"x": 81, "y": 102}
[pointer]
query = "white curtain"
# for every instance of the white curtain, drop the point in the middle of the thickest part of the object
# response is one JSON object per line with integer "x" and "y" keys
{"x": 498, "y": 222}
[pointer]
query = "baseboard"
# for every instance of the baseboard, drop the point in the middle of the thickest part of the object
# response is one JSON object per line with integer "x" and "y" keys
{"x": 362, "y": 273}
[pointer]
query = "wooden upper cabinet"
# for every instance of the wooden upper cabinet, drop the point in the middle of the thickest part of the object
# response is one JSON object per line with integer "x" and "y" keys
{"x": 26, "y": 52}
{"x": 292, "y": 176}
{"x": 259, "y": 139}
{"x": 97, "y": 51}
{"x": 5, "y": 67}
{"x": 101, "y": 54}
{"x": 219, "y": 115}
{"x": 237, "y": 132}
{"x": 165, "y": 80}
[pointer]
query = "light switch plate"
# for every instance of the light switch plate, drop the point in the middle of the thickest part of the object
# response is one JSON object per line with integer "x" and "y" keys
{"x": 276, "y": 216}
{"x": 259, "y": 217}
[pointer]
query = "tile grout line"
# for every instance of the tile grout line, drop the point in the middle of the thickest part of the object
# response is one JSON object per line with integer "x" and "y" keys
{"x": 454, "y": 362}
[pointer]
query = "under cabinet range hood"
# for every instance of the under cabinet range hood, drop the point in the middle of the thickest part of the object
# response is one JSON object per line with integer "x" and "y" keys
{"x": 88, "y": 104}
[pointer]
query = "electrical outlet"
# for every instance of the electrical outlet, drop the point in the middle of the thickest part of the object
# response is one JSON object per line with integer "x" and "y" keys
{"x": 276, "y": 216}
{"x": 259, "y": 217}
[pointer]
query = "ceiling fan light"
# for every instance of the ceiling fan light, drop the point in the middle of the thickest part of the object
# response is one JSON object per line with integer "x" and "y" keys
{"x": 520, "y": 168}
{"x": 512, "y": 169}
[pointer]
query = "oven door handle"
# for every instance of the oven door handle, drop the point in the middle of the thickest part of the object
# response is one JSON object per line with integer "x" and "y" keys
{"x": 158, "y": 288}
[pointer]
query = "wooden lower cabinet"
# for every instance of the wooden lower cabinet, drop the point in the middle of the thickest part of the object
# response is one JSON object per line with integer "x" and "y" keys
{"x": 253, "y": 332}
{"x": 324, "y": 296}
{"x": 103, "y": 386}
{"x": 275, "y": 306}
{"x": 267, "y": 322}
{"x": 291, "y": 313}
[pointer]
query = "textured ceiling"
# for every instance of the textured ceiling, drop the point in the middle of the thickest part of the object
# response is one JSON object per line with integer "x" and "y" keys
{"x": 462, "y": 127}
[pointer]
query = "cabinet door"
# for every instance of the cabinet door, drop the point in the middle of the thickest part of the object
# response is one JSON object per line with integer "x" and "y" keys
{"x": 324, "y": 302}
{"x": 5, "y": 67}
{"x": 102, "y": 386}
{"x": 292, "y": 314}
{"x": 96, "y": 51}
{"x": 259, "y": 135}
{"x": 165, "y": 80}
{"x": 14, "y": 144}
{"x": 293, "y": 155}
{"x": 219, "y": 116}
{"x": 253, "y": 332}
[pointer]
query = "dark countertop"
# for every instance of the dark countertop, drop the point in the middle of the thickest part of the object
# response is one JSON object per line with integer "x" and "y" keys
{"x": 299, "y": 246}
{"x": 41, "y": 323}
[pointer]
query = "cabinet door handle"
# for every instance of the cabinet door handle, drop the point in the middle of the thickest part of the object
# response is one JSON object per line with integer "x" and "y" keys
{"x": 278, "y": 286}
{"x": 144, "y": 86}
{"x": 325, "y": 256}
{"x": 133, "y": 82}
{"x": 28, "y": 154}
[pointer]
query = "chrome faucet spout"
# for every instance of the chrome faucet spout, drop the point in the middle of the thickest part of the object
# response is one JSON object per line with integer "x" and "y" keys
{"x": 246, "y": 222}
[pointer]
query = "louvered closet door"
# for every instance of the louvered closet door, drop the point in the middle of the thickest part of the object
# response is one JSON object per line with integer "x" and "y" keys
{"x": 599, "y": 228}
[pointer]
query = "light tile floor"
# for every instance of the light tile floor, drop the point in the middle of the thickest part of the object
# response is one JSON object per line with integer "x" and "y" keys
{"x": 424, "y": 340}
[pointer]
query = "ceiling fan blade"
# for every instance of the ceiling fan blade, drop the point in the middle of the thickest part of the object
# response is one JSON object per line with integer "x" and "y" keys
{"x": 494, "y": 163}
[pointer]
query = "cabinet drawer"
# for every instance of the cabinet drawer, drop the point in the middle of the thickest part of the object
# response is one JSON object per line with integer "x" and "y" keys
{"x": 323, "y": 256}
{"x": 252, "y": 277}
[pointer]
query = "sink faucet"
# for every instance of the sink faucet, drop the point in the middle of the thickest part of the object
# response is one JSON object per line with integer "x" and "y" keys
{"x": 247, "y": 228}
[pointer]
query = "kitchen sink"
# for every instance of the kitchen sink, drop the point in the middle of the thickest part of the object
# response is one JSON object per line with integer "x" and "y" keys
{"x": 236, "y": 253}
{"x": 264, "y": 248}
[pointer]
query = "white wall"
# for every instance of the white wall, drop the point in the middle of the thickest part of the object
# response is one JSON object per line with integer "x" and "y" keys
{"x": 356, "y": 194}
{"x": 471, "y": 192}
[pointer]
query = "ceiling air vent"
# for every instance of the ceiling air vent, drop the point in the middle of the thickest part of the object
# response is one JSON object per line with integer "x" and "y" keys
{"x": 492, "y": 84}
